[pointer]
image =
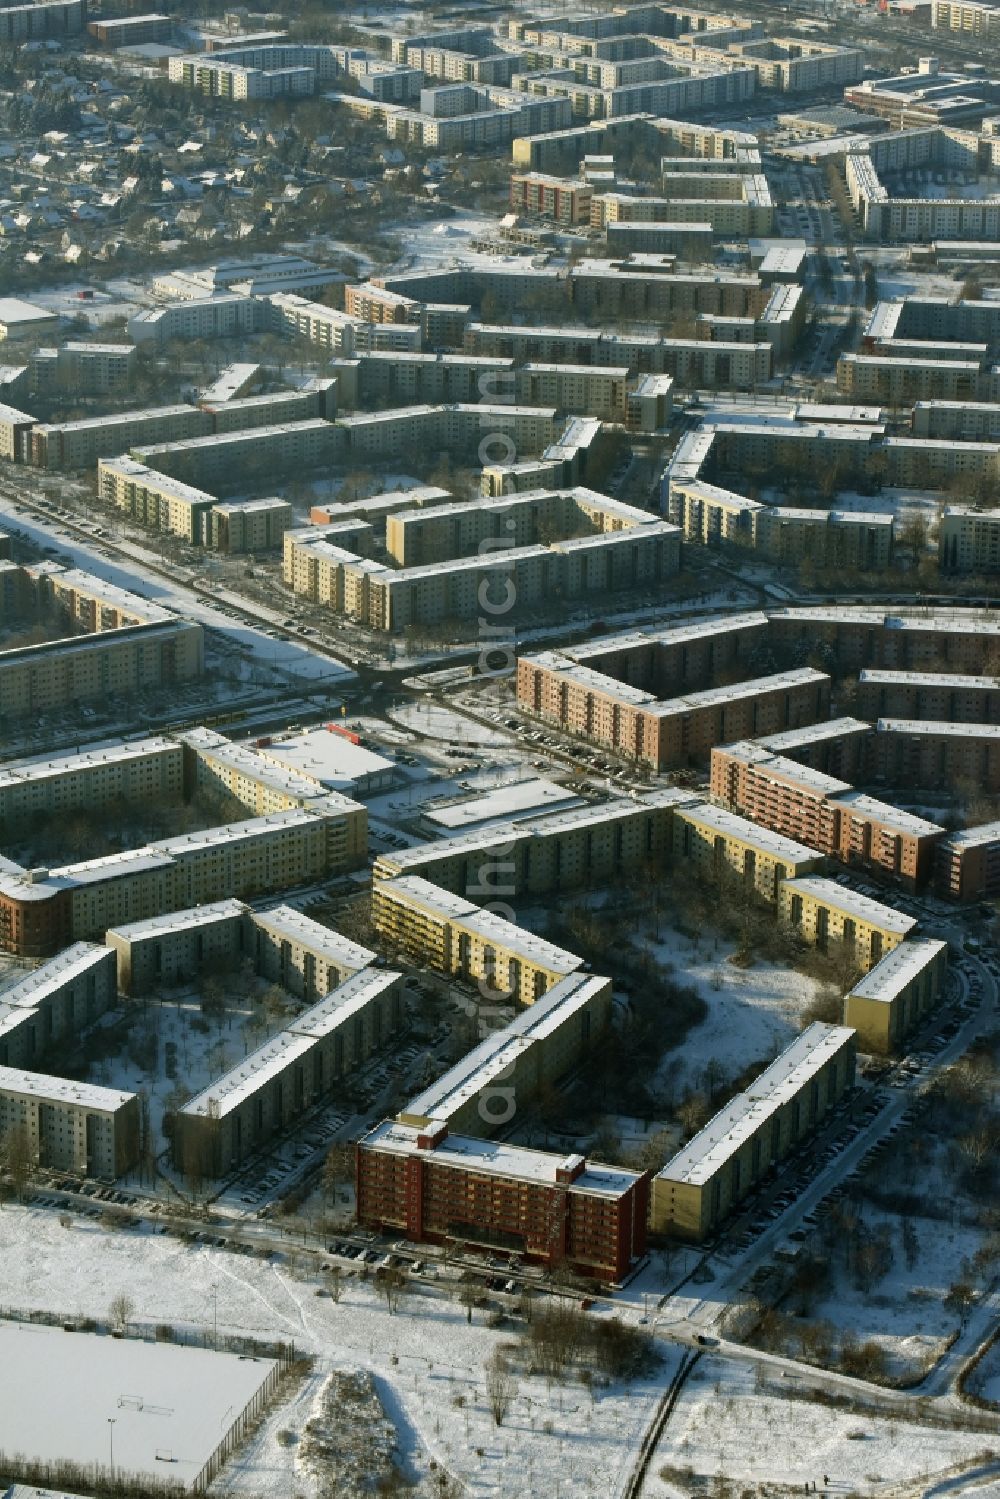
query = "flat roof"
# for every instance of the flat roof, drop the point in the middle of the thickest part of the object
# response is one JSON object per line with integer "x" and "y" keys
{"x": 851, "y": 903}
{"x": 813, "y": 733}
{"x": 327, "y": 757}
{"x": 414, "y": 888}
{"x": 171, "y": 922}
{"x": 954, "y": 680}
{"x": 898, "y": 968}
{"x": 15, "y": 310}
{"x": 43, "y": 767}
{"x": 62, "y": 1090}
{"x": 720, "y": 1139}
{"x": 493, "y": 1158}
{"x": 935, "y": 727}
{"x": 520, "y": 799}
{"x": 286, "y": 921}
{"x": 730, "y": 825}
{"x": 53, "y": 975}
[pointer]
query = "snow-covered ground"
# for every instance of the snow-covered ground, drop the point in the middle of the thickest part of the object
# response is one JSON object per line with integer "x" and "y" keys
{"x": 444, "y": 242}
{"x": 441, "y": 723}
{"x": 170, "y": 1405}
{"x": 902, "y": 503}
{"x": 428, "y": 1361}
{"x": 752, "y": 1012}
{"x": 723, "y": 1424}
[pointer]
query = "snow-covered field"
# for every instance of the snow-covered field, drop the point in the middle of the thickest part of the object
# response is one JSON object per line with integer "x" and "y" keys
{"x": 724, "y": 1424}
{"x": 170, "y": 1405}
{"x": 441, "y": 723}
{"x": 428, "y": 1361}
{"x": 903, "y": 503}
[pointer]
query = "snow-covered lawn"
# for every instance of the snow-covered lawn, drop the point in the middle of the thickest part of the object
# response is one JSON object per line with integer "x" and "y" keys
{"x": 724, "y": 1424}
{"x": 752, "y": 1012}
{"x": 442, "y": 723}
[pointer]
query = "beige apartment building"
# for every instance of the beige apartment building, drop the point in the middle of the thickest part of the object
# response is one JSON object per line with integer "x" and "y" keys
{"x": 720, "y": 847}
{"x": 70, "y": 1126}
{"x": 517, "y": 1062}
{"x": 136, "y": 770}
{"x": 274, "y": 1086}
{"x": 72, "y": 445}
{"x": 706, "y": 1180}
{"x": 969, "y": 539}
{"x": 91, "y": 368}
{"x": 55, "y": 1003}
{"x": 455, "y": 936}
{"x": 176, "y": 946}
{"x": 825, "y": 913}
{"x": 155, "y": 499}
{"x": 228, "y": 460}
{"x": 118, "y": 662}
{"x": 250, "y": 525}
{"x": 564, "y": 850}
{"x": 897, "y": 994}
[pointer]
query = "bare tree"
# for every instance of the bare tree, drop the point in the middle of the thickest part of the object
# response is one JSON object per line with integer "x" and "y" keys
{"x": 120, "y": 1310}
{"x": 499, "y": 1387}
{"x": 16, "y": 1158}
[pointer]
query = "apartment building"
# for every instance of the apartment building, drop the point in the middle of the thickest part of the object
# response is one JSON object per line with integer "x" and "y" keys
{"x": 55, "y": 1003}
{"x": 344, "y": 335}
{"x": 898, "y": 381}
{"x": 15, "y": 434}
{"x": 96, "y": 369}
{"x": 969, "y": 539}
{"x": 714, "y": 516}
{"x": 897, "y": 994}
{"x": 131, "y": 31}
{"x": 838, "y": 747}
{"x": 72, "y": 445}
{"x": 250, "y": 525}
{"x": 967, "y": 16}
{"x": 667, "y": 733}
{"x": 639, "y": 353}
{"x": 455, "y": 936}
{"x": 931, "y": 755}
{"x": 129, "y": 643}
{"x": 825, "y": 813}
{"x": 434, "y": 1187}
{"x": 706, "y": 1180}
{"x": 176, "y": 946}
{"x": 580, "y": 390}
{"x": 228, "y": 460}
{"x": 303, "y": 956}
{"x": 260, "y": 784}
{"x": 70, "y": 1126}
{"x": 225, "y": 315}
{"x": 968, "y": 863}
{"x": 966, "y": 420}
{"x": 564, "y": 850}
{"x": 400, "y": 379}
{"x": 41, "y": 910}
{"x": 41, "y": 19}
{"x": 562, "y": 199}
{"x": 717, "y": 846}
{"x": 272, "y": 1088}
{"x": 138, "y": 770}
{"x": 458, "y": 428}
{"x": 962, "y": 640}
{"x": 155, "y": 499}
{"x": 823, "y": 913}
{"x": 927, "y": 694}
{"x": 539, "y": 1046}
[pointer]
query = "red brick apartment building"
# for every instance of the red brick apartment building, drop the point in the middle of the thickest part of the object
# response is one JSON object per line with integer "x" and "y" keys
{"x": 968, "y": 863}
{"x": 565, "y": 200}
{"x": 667, "y": 733}
{"x": 439, "y": 1188}
{"x": 823, "y": 812}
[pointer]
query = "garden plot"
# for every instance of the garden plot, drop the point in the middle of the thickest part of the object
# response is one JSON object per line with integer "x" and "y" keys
{"x": 725, "y": 1425}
